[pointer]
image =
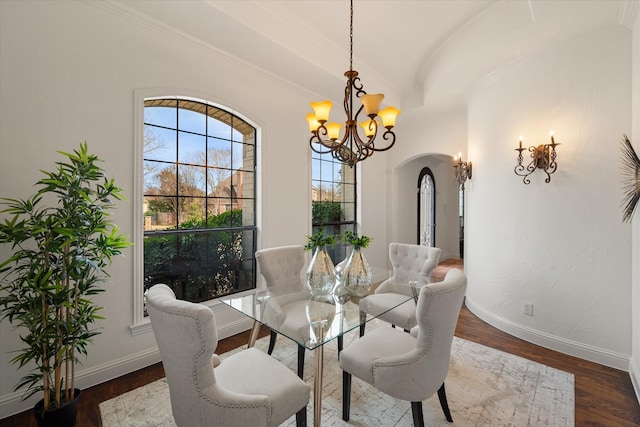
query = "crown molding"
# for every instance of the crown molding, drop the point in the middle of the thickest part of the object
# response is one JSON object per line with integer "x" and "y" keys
{"x": 629, "y": 12}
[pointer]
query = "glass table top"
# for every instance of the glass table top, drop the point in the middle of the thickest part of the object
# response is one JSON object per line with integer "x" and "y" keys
{"x": 310, "y": 321}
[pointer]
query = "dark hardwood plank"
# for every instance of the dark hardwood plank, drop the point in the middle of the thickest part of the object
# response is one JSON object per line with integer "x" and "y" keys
{"x": 604, "y": 396}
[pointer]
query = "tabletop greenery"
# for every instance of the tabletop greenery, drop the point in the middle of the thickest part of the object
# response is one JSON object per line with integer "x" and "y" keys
{"x": 358, "y": 242}
{"x": 320, "y": 239}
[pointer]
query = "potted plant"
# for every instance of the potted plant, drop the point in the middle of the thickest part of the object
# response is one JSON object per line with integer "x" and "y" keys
{"x": 356, "y": 274}
{"x": 321, "y": 274}
{"x": 61, "y": 240}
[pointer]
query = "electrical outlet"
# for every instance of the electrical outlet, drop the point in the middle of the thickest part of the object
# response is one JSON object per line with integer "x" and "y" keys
{"x": 527, "y": 308}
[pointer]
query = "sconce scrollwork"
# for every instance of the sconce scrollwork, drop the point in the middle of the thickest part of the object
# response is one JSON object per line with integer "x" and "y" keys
{"x": 462, "y": 170}
{"x": 542, "y": 157}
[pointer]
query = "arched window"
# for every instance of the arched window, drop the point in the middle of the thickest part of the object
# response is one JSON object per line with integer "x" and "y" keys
{"x": 426, "y": 208}
{"x": 198, "y": 198}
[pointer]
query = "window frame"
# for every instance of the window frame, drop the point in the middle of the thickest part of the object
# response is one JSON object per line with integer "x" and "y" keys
{"x": 140, "y": 323}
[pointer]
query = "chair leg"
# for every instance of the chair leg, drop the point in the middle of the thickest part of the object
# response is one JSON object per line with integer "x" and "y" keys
{"x": 272, "y": 341}
{"x": 443, "y": 402}
{"x": 346, "y": 395}
{"x": 301, "y": 362}
{"x": 363, "y": 319}
{"x": 301, "y": 417}
{"x": 340, "y": 345}
{"x": 416, "y": 410}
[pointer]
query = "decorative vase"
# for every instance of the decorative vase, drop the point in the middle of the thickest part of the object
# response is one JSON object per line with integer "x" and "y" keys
{"x": 340, "y": 291}
{"x": 321, "y": 274}
{"x": 357, "y": 276}
{"x": 64, "y": 416}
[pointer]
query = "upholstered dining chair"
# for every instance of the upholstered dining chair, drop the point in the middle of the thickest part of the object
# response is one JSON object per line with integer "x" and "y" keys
{"x": 282, "y": 269}
{"x": 248, "y": 388}
{"x": 410, "y": 263}
{"x": 410, "y": 366}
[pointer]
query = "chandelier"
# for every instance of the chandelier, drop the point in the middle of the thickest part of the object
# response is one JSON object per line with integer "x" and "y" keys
{"x": 355, "y": 144}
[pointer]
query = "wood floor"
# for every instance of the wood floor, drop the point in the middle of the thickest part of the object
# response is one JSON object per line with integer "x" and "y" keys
{"x": 604, "y": 396}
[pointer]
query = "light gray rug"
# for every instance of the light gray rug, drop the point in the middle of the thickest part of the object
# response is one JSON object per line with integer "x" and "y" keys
{"x": 485, "y": 387}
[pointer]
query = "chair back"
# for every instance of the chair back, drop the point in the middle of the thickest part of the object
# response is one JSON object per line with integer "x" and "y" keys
{"x": 437, "y": 314}
{"x": 282, "y": 269}
{"x": 410, "y": 263}
{"x": 187, "y": 337}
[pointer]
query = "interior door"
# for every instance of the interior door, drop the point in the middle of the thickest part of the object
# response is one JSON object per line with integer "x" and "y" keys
{"x": 426, "y": 208}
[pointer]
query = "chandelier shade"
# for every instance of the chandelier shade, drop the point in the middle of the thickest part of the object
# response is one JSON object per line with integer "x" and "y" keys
{"x": 355, "y": 144}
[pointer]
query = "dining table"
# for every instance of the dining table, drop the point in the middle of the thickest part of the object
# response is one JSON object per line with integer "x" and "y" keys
{"x": 329, "y": 316}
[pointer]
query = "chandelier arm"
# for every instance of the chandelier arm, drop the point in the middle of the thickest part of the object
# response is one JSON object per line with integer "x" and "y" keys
{"x": 359, "y": 142}
{"x": 347, "y": 103}
{"x": 353, "y": 82}
{"x": 343, "y": 142}
{"x": 316, "y": 138}
{"x": 320, "y": 143}
{"x": 388, "y": 135}
{"x": 364, "y": 148}
{"x": 358, "y": 86}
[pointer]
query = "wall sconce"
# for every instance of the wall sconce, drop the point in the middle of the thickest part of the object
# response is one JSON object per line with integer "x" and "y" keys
{"x": 542, "y": 157}
{"x": 463, "y": 170}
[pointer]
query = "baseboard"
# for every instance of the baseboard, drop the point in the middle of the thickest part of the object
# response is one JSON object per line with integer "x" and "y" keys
{"x": 634, "y": 373}
{"x": 12, "y": 403}
{"x": 572, "y": 348}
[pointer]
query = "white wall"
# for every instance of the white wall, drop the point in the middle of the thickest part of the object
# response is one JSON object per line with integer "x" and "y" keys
{"x": 68, "y": 73}
{"x": 560, "y": 246}
{"x": 634, "y": 365}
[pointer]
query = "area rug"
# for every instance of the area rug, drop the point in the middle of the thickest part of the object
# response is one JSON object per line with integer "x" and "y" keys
{"x": 485, "y": 387}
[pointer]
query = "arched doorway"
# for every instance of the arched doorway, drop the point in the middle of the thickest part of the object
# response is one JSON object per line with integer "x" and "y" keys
{"x": 426, "y": 208}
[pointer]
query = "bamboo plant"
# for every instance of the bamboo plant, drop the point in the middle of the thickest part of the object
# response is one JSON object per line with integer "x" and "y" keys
{"x": 61, "y": 242}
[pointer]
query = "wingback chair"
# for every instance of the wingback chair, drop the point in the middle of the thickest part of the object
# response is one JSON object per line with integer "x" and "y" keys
{"x": 248, "y": 388}
{"x": 410, "y": 366}
{"x": 282, "y": 268}
{"x": 409, "y": 263}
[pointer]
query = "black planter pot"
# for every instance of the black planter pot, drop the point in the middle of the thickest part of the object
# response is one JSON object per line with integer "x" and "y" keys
{"x": 64, "y": 416}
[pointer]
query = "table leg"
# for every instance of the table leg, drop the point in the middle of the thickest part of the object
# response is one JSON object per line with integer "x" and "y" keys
{"x": 253, "y": 336}
{"x": 318, "y": 356}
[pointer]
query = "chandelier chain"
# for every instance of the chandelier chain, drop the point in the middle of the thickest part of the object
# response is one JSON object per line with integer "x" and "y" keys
{"x": 351, "y": 38}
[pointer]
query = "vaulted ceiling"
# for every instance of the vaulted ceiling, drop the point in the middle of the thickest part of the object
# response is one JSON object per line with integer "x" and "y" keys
{"x": 430, "y": 53}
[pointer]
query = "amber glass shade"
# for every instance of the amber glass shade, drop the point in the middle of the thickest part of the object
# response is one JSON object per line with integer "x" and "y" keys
{"x": 388, "y": 116}
{"x": 313, "y": 123}
{"x": 333, "y": 130}
{"x": 322, "y": 109}
{"x": 372, "y": 103}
